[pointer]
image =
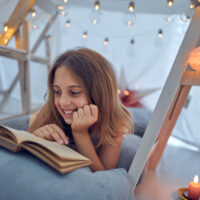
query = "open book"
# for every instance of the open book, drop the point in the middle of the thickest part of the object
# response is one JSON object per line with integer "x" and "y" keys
{"x": 60, "y": 157}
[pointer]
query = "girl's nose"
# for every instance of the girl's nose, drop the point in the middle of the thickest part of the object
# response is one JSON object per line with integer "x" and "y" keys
{"x": 64, "y": 101}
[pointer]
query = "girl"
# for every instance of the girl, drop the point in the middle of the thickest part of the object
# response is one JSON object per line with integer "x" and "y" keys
{"x": 83, "y": 106}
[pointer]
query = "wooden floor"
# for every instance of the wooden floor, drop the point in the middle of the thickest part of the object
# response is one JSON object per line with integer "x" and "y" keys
{"x": 177, "y": 168}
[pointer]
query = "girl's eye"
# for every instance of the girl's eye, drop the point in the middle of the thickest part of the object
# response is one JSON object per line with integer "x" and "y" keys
{"x": 73, "y": 93}
{"x": 57, "y": 92}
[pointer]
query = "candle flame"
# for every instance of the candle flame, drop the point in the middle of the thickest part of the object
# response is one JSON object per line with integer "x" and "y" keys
{"x": 196, "y": 179}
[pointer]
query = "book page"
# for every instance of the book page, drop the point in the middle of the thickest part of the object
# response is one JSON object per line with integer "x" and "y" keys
{"x": 62, "y": 151}
{"x": 7, "y": 134}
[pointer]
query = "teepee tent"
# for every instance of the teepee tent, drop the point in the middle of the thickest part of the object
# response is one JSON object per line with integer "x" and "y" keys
{"x": 140, "y": 38}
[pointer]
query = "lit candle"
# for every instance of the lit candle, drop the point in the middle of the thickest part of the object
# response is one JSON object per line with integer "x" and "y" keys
{"x": 194, "y": 189}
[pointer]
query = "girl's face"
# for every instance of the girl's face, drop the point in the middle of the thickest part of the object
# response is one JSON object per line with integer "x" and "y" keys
{"x": 69, "y": 93}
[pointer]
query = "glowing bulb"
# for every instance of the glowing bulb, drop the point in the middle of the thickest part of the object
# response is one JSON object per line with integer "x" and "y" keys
{"x": 84, "y": 35}
{"x": 169, "y": 19}
{"x": 160, "y": 33}
{"x": 126, "y": 93}
{"x": 106, "y": 41}
{"x": 95, "y": 16}
{"x": 33, "y": 13}
{"x": 158, "y": 41}
{"x": 35, "y": 27}
{"x": 118, "y": 91}
{"x": 196, "y": 179}
{"x": 67, "y": 24}
{"x": 63, "y": 13}
{"x": 170, "y": 2}
{"x": 131, "y": 6}
{"x": 5, "y": 41}
{"x": 5, "y": 28}
{"x": 129, "y": 18}
{"x": 192, "y": 5}
{"x": 129, "y": 23}
{"x": 60, "y": 7}
{"x": 65, "y": 1}
{"x": 97, "y": 5}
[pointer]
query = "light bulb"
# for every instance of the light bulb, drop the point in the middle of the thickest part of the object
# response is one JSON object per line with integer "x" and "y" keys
{"x": 68, "y": 23}
{"x": 33, "y": 13}
{"x": 131, "y": 6}
{"x": 130, "y": 50}
{"x": 160, "y": 33}
{"x": 5, "y": 28}
{"x": 170, "y": 2}
{"x": 106, "y": 41}
{"x": 65, "y": 1}
{"x": 64, "y": 9}
{"x": 158, "y": 41}
{"x": 84, "y": 34}
{"x": 184, "y": 17}
{"x": 35, "y": 26}
{"x": 95, "y": 16}
{"x": 97, "y": 5}
{"x": 170, "y": 18}
{"x": 60, "y": 7}
{"x": 192, "y": 5}
{"x": 129, "y": 18}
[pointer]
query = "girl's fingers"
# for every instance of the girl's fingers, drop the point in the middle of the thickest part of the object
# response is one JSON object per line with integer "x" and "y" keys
{"x": 52, "y": 132}
{"x": 94, "y": 110}
{"x": 64, "y": 138}
{"x": 80, "y": 113}
{"x": 87, "y": 111}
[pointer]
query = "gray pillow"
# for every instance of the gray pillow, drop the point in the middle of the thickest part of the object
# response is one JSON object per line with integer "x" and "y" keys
{"x": 24, "y": 176}
{"x": 141, "y": 117}
{"x": 19, "y": 122}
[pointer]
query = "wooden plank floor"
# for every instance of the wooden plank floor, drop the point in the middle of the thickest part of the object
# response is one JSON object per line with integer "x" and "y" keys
{"x": 177, "y": 168}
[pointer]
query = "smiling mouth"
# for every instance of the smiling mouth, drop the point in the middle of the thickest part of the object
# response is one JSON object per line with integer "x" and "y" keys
{"x": 69, "y": 112}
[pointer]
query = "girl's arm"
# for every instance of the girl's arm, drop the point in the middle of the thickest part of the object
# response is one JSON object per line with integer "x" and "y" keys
{"x": 108, "y": 155}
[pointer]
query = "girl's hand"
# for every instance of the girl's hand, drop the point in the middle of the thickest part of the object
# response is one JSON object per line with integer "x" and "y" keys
{"x": 84, "y": 117}
{"x": 52, "y": 132}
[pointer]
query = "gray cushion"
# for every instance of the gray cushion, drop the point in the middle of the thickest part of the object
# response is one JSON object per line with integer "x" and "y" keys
{"x": 24, "y": 176}
{"x": 141, "y": 117}
{"x": 19, "y": 122}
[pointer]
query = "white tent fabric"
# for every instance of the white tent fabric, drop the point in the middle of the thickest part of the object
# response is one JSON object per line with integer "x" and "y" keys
{"x": 147, "y": 67}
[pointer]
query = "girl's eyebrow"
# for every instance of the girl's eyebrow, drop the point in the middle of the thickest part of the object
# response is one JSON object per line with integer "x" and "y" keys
{"x": 71, "y": 86}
